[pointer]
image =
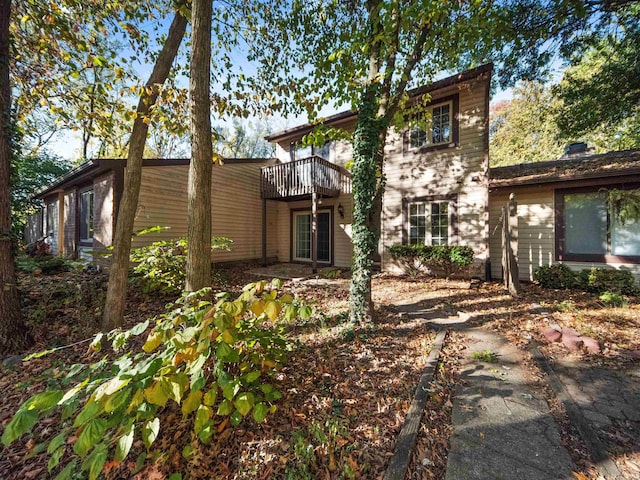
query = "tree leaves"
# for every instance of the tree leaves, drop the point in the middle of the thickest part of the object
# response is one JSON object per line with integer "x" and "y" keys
{"x": 91, "y": 435}
{"x": 22, "y": 422}
{"x": 150, "y": 431}
{"x": 123, "y": 446}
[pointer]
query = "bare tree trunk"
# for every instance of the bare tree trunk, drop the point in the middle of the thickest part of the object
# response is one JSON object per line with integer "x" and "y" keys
{"x": 198, "y": 273}
{"x": 14, "y": 336}
{"x": 117, "y": 289}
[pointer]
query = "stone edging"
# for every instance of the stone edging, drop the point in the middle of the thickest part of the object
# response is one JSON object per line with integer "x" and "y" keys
{"x": 596, "y": 448}
{"x": 408, "y": 435}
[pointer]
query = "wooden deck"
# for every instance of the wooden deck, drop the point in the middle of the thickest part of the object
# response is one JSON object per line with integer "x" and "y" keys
{"x": 299, "y": 178}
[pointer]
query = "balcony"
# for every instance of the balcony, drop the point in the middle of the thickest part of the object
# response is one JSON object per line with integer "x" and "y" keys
{"x": 300, "y": 178}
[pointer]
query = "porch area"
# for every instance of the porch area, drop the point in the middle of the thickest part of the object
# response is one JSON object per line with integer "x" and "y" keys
{"x": 308, "y": 182}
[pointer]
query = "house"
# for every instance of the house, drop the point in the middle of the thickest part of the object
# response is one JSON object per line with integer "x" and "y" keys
{"x": 562, "y": 211}
{"x": 437, "y": 190}
{"x": 79, "y": 208}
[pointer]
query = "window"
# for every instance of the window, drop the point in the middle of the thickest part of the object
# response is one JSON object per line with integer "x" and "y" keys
{"x": 86, "y": 216}
{"x": 429, "y": 223}
{"x": 299, "y": 152}
{"x": 587, "y": 232}
{"x": 434, "y": 127}
{"x": 52, "y": 221}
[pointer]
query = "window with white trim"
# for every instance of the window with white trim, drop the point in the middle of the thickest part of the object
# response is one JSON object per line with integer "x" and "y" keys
{"x": 433, "y": 127}
{"x": 429, "y": 223}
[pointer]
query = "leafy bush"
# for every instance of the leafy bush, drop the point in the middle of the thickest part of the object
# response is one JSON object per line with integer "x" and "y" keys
{"x": 214, "y": 362}
{"x": 600, "y": 280}
{"x": 594, "y": 280}
{"x": 161, "y": 265}
{"x": 614, "y": 300}
{"x": 47, "y": 264}
{"x": 555, "y": 276}
{"x": 447, "y": 259}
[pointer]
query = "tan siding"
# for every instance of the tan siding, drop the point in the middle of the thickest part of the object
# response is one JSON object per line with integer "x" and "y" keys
{"x": 236, "y": 208}
{"x": 460, "y": 170}
{"x": 535, "y": 231}
{"x": 103, "y": 216}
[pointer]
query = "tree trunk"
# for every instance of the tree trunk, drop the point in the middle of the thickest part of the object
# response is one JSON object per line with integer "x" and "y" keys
{"x": 118, "y": 269}
{"x": 14, "y": 335}
{"x": 198, "y": 274}
{"x": 367, "y": 151}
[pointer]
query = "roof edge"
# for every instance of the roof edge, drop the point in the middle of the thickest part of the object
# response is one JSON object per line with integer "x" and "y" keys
{"x": 348, "y": 114}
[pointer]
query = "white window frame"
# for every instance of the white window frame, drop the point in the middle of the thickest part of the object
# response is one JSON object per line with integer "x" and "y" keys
{"x": 427, "y": 131}
{"x": 427, "y": 207}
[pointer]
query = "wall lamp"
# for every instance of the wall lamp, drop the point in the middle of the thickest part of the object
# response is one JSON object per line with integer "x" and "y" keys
{"x": 341, "y": 210}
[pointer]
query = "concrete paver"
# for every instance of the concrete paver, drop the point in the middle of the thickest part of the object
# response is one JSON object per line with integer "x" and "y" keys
{"x": 502, "y": 427}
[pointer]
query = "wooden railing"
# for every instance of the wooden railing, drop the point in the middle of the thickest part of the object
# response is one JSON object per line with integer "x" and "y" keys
{"x": 303, "y": 177}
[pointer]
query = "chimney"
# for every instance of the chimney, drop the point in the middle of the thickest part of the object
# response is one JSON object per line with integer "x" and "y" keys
{"x": 575, "y": 148}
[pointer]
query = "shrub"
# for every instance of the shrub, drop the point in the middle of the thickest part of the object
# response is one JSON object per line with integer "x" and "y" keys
{"x": 555, "y": 276}
{"x": 161, "y": 265}
{"x": 47, "y": 264}
{"x": 447, "y": 259}
{"x": 214, "y": 363}
{"x": 614, "y": 300}
{"x": 600, "y": 280}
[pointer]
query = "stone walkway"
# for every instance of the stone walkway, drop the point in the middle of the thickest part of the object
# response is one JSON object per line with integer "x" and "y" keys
{"x": 502, "y": 426}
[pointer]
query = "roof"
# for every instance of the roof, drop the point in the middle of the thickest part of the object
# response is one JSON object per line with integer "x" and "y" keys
{"x": 92, "y": 168}
{"x": 580, "y": 167}
{"x": 350, "y": 114}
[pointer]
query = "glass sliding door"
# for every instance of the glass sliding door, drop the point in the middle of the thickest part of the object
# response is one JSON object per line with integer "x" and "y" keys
{"x": 302, "y": 236}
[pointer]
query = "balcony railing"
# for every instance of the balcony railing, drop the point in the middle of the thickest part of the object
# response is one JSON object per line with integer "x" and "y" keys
{"x": 303, "y": 177}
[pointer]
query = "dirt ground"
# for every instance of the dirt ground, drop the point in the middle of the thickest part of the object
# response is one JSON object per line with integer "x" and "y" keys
{"x": 346, "y": 390}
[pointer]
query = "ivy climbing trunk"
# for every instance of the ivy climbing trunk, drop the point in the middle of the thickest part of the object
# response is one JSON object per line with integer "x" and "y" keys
{"x": 119, "y": 267}
{"x": 368, "y": 186}
{"x": 14, "y": 335}
{"x": 198, "y": 274}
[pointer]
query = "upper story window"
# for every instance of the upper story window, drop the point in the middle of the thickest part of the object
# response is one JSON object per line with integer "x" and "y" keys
{"x": 435, "y": 127}
{"x": 298, "y": 151}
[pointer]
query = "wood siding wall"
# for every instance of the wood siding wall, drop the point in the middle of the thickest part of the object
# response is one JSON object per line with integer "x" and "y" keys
{"x": 103, "y": 216}
{"x": 341, "y": 228}
{"x": 536, "y": 232}
{"x": 460, "y": 170}
{"x": 236, "y": 208}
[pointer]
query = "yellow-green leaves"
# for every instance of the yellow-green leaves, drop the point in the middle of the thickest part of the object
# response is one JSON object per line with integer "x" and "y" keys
{"x": 150, "y": 431}
{"x": 192, "y": 402}
{"x": 209, "y": 360}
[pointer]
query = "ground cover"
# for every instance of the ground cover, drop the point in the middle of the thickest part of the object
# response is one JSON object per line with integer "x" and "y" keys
{"x": 345, "y": 390}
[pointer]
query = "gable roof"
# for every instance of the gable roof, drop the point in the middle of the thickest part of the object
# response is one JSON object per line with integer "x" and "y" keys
{"x": 347, "y": 115}
{"x": 588, "y": 166}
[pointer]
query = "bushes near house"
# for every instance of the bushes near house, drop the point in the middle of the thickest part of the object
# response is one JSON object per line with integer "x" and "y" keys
{"x": 594, "y": 280}
{"x": 161, "y": 266}
{"x": 436, "y": 259}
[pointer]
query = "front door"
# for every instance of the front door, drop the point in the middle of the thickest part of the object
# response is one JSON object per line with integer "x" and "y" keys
{"x": 302, "y": 236}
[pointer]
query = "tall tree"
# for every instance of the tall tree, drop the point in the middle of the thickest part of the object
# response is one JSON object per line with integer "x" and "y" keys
{"x": 119, "y": 267}
{"x": 14, "y": 335}
{"x": 600, "y": 91}
{"x": 369, "y": 54}
{"x": 523, "y": 129}
{"x": 198, "y": 270}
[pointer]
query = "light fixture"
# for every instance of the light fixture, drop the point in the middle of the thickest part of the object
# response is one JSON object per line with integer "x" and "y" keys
{"x": 341, "y": 210}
